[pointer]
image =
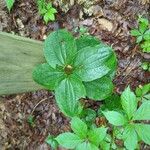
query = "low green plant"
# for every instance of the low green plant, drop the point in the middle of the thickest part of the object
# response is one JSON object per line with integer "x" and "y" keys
{"x": 76, "y": 68}
{"x": 142, "y": 34}
{"x": 81, "y": 30}
{"x": 9, "y": 4}
{"x": 46, "y": 10}
{"x": 127, "y": 123}
{"x": 31, "y": 120}
{"x": 146, "y": 66}
{"x": 83, "y": 138}
{"x": 143, "y": 92}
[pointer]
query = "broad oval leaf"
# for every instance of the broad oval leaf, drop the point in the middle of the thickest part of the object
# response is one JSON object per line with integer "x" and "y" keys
{"x": 59, "y": 48}
{"x": 86, "y": 146}
{"x": 92, "y": 63}
{"x": 68, "y": 140}
{"x": 47, "y": 76}
{"x": 97, "y": 135}
{"x": 115, "y": 118}
{"x": 130, "y": 138}
{"x": 67, "y": 94}
{"x": 99, "y": 89}
{"x": 79, "y": 127}
{"x": 143, "y": 112}
{"x": 85, "y": 41}
{"x": 129, "y": 102}
{"x": 143, "y": 131}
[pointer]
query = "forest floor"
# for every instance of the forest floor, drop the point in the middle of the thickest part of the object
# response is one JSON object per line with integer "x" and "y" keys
{"x": 111, "y": 23}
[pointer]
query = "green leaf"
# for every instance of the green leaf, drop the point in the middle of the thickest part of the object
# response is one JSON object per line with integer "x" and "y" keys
{"x": 85, "y": 41}
{"x": 115, "y": 118}
{"x": 135, "y": 32}
{"x": 146, "y": 35}
{"x": 139, "y": 39}
{"x": 130, "y": 138}
{"x": 143, "y": 112}
{"x": 9, "y": 4}
{"x": 143, "y": 24}
{"x": 68, "y": 140}
{"x": 50, "y": 140}
{"x": 143, "y": 131}
{"x": 113, "y": 103}
{"x": 86, "y": 146}
{"x": 146, "y": 46}
{"x": 47, "y": 76}
{"x": 99, "y": 89}
{"x": 96, "y": 135}
{"x": 94, "y": 62}
{"x": 60, "y": 48}
{"x": 79, "y": 127}
{"x": 105, "y": 145}
{"x": 129, "y": 102}
{"x": 67, "y": 94}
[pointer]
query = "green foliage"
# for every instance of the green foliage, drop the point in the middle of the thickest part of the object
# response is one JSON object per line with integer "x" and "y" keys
{"x": 83, "y": 138}
{"x": 31, "y": 121}
{"x": 50, "y": 140}
{"x": 46, "y": 10}
{"x": 128, "y": 117}
{"x": 146, "y": 66}
{"x": 76, "y": 68}
{"x": 143, "y": 92}
{"x": 81, "y": 30}
{"x": 142, "y": 34}
{"x": 9, "y": 4}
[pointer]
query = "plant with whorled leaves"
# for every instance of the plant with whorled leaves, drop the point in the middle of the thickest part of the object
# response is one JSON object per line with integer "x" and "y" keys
{"x": 128, "y": 122}
{"x": 76, "y": 68}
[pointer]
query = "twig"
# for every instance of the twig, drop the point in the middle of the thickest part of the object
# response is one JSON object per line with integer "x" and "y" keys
{"x": 38, "y": 104}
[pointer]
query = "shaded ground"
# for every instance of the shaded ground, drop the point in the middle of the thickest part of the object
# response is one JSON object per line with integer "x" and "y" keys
{"x": 111, "y": 22}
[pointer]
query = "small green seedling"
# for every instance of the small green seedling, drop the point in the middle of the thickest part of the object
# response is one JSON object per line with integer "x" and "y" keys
{"x": 9, "y": 4}
{"x": 146, "y": 66}
{"x": 81, "y": 30}
{"x": 142, "y": 34}
{"x": 83, "y": 138}
{"x": 31, "y": 121}
{"x": 76, "y": 68}
{"x": 143, "y": 92}
{"x": 46, "y": 10}
{"x": 50, "y": 140}
{"x": 127, "y": 120}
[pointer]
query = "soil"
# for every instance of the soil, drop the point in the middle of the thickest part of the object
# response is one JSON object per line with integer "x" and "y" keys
{"x": 111, "y": 23}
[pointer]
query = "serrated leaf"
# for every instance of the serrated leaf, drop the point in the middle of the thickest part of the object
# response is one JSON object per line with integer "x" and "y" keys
{"x": 143, "y": 131}
{"x": 86, "y": 146}
{"x": 68, "y": 140}
{"x": 67, "y": 94}
{"x": 60, "y": 48}
{"x": 135, "y": 32}
{"x": 79, "y": 127}
{"x": 130, "y": 138}
{"x": 99, "y": 89}
{"x": 94, "y": 62}
{"x": 47, "y": 76}
{"x": 85, "y": 41}
{"x": 96, "y": 135}
{"x": 143, "y": 112}
{"x": 129, "y": 102}
{"x": 9, "y": 4}
{"x": 115, "y": 118}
